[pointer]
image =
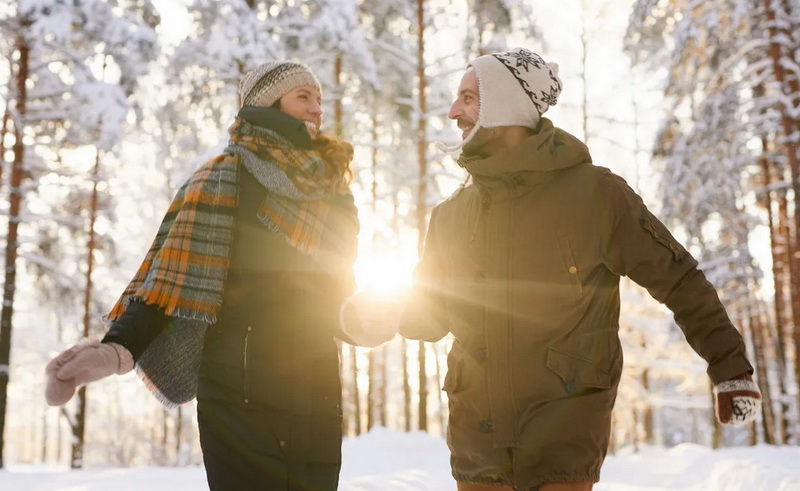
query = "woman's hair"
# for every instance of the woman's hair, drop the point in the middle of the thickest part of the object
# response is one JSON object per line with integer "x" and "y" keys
{"x": 337, "y": 155}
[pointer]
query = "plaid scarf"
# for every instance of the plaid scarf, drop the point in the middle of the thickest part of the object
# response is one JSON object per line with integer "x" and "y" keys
{"x": 185, "y": 269}
{"x": 296, "y": 181}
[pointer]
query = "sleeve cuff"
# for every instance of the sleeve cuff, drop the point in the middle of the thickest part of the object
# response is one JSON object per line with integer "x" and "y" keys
{"x": 728, "y": 369}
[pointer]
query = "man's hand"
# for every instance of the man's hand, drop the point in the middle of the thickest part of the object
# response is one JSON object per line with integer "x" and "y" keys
{"x": 84, "y": 362}
{"x": 738, "y": 401}
{"x": 371, "y": 320}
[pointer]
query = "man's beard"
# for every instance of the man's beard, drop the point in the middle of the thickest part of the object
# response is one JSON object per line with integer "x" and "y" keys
{"x": 477, "y": 145}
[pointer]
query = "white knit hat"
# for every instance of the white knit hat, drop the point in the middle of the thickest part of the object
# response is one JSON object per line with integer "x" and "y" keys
{"x": 514, "y": 89}
{"x": 269, "y": 82}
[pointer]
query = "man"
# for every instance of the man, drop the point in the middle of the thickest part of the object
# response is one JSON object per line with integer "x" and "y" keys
{"x": 523, "y": 268}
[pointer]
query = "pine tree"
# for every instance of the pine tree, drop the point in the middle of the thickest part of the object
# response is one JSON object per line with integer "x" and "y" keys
{"x": 726, "y": 83}
{"x": 64, "y": 99}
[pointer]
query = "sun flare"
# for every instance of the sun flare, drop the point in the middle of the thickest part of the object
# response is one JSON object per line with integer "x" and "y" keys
{"x": 384, "y": 273}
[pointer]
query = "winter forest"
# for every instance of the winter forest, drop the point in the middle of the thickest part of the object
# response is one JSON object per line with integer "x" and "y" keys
{"x": 109, "y": 105}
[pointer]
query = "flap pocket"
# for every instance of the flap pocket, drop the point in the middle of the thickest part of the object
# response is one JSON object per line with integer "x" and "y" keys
{"x": 450, "y": 381}
{"x": 453, "y": 376}
{"x": 575, "y": 371}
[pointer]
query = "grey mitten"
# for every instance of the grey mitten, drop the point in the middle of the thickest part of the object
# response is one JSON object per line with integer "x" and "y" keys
{"x": 84, "y": 362}
{"x": 738, "y": 400}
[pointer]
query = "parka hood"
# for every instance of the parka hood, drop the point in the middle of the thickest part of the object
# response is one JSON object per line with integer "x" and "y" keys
{"x": 549, "y": 149}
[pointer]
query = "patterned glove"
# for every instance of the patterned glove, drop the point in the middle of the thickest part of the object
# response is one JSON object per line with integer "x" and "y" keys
{"x": 738, "y": 400}
{"x": 84, "y": 362}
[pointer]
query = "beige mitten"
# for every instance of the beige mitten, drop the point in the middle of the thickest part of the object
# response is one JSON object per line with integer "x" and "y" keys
{"x": 738, "y": 400}
{"x": 84, "y": 362}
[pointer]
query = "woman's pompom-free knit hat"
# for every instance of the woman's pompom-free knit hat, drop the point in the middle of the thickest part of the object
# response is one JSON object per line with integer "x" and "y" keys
{"x": 267, "y": 83}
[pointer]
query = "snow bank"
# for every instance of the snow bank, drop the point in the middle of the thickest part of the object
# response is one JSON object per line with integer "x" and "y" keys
{"x": 389, "y": 461}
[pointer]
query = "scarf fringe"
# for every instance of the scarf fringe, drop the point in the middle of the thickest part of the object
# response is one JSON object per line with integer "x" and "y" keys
{"x": 181, "y": 313}
{"x": 170, "y": 365}
{"x": 193, "y": 315}
{"x": 153, "y": 388}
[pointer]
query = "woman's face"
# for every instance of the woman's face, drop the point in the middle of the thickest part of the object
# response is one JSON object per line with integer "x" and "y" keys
{"x": 305, "y": 104}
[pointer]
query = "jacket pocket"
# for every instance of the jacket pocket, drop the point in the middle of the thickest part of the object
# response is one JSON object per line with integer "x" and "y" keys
{"x": 570, "y": 268}
{"x": 452, "y": 379}
{"x": 661, "y": 234}
{"x": 587, "y": 361}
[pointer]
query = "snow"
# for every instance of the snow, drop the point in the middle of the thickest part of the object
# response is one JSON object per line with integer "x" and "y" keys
{"x": 389, "y": 461}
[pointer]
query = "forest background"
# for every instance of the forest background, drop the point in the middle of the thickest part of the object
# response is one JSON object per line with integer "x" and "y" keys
{"x": 108, "y": 105}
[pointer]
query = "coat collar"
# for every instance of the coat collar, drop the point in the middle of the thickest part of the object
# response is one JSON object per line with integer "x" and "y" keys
{"x": 517, "y": 170}
{"x": 288, "y": 127}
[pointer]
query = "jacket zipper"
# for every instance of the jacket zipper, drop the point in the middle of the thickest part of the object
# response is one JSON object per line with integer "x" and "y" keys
{"x": 246, "y": 366}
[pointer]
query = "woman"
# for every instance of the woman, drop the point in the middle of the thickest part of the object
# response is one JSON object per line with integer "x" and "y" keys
{"x": 237, "y": 300}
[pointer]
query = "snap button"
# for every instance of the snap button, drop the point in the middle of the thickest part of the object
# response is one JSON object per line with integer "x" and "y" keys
{"x": 282, "y": 443}
{"x": 249, "y": 328}
{"x": 247, "y": 401}
{"x": 485, "y": 426}
{"x": 481, "y": 354}
{"x": 572, "y": 270}
{"x": 570, "y": 387}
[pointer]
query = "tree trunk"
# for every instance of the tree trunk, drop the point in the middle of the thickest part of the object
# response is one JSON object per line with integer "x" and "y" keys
{"x": 79, "y": 430}
{"x": 377, "y": 357}
{"x": 78, "y": 426}
{"x": 757, "y": 329}
{"x": 423, "y": 388}
{"x": 422, "y": 205}
{"x": 439, "y": 381}
{"x": 584, "y": 81}
{"x": 340, "y": 347}
{"x": 382, "y": 409}
{"x": 481, "y": 49}
{"x": 337, "y": 103}
{"x": 422, "y": 143}
{"x": 3, "y": 132}
{"x": 164, "y": 437}
{"x": 371, "y": 391}
{"x": 90, "y": 247}
{"x": 790, "y": 126}
{"x": 647, "y": 413}
{"x": 178, "y": 434}
{"x": 6, "y": 118}
{"x": 356, "y": 395}
{"x": 45, "y": 434}
{"x": 779, "y": 248}
{"x": 59, "y": 438}
{"x": 406, "y": 387}
{"x": 15, "y": 204}
{"x": 716, "y": 435}
{"x": 785, "y": 328}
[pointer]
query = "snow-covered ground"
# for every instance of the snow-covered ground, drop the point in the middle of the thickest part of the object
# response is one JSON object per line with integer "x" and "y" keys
{"x": 384, "y": 460}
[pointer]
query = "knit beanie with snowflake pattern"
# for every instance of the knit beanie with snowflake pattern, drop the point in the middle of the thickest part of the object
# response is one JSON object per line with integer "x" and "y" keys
{"x": 515, "y": 88}
{"x": 267, "y": 83}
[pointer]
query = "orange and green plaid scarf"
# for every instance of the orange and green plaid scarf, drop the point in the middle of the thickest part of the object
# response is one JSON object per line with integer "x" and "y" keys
{"x": 296, "y": 181}
{"x": 185, "y": 269}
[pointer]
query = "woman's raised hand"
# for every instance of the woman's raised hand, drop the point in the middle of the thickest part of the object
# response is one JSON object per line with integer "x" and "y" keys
{"x": 84, "y": 362}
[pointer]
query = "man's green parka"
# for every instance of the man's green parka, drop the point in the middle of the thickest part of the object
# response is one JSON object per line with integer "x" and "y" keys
{"x": 523, "y": 268}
